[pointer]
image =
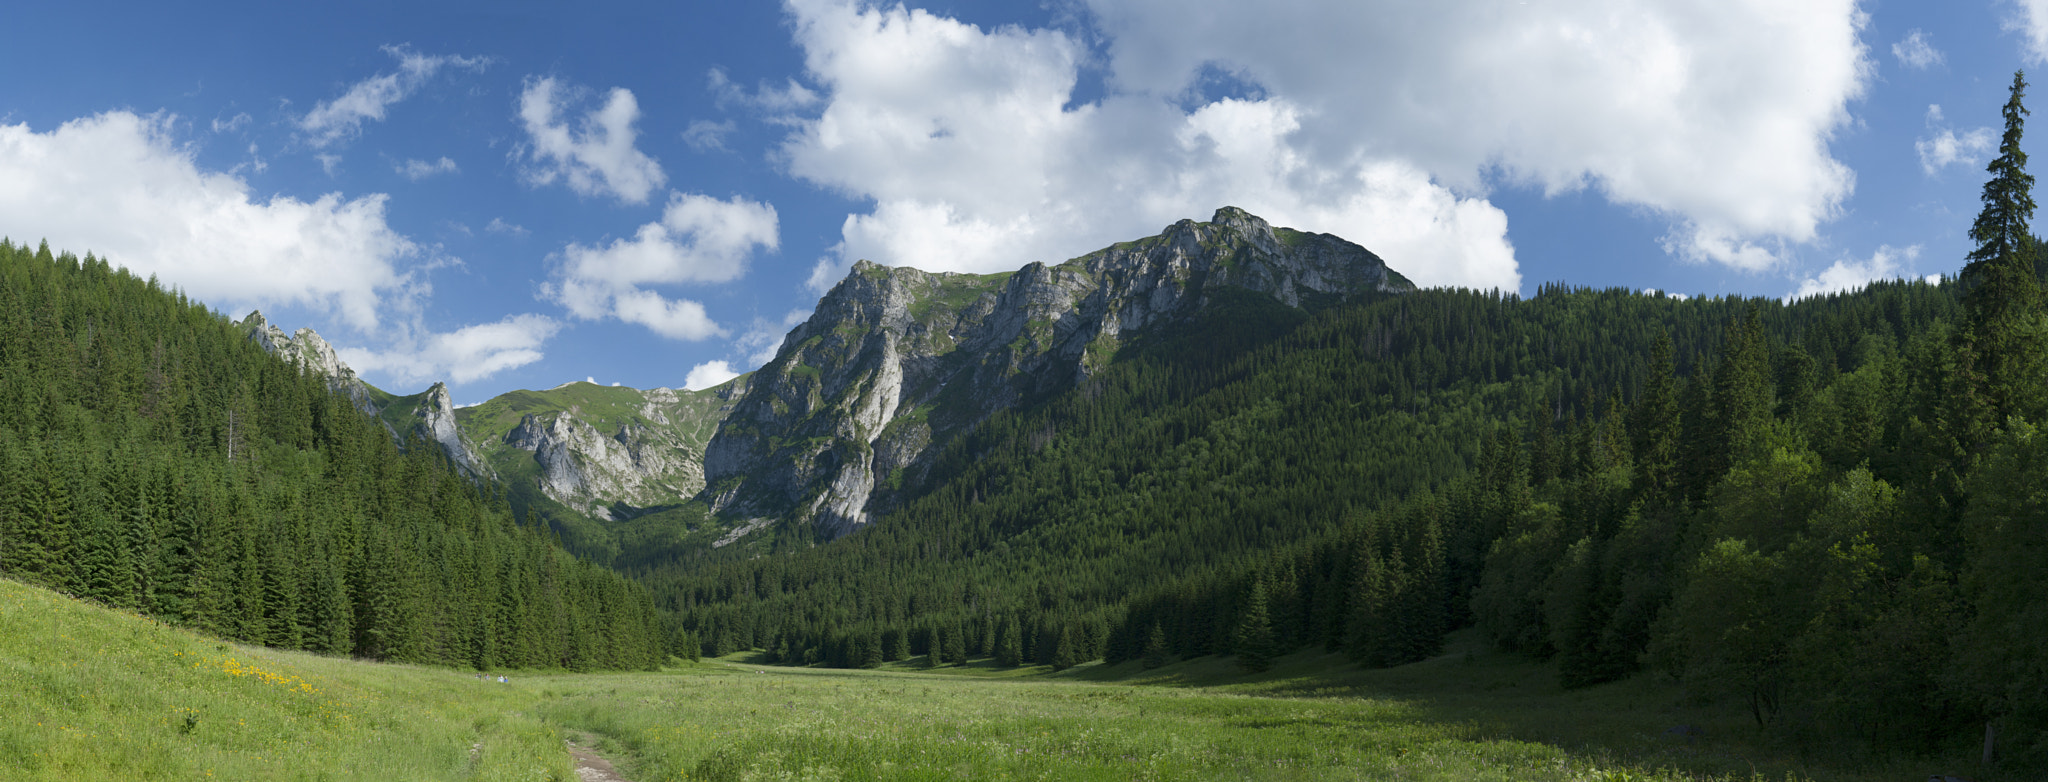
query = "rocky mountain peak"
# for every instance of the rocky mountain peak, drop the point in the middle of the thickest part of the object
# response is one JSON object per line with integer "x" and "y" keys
{"x": 894, "y": 361}
{"x": 307, "y": 351}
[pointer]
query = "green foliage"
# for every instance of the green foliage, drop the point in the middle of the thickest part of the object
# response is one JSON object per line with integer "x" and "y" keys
{"x": 1252, "y": 641}
{"x": 152, "y": 457}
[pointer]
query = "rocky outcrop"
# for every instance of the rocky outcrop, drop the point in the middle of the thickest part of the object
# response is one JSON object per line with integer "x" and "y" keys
{"x": 583, "y": 468}
{"x": 306, "y": 350}
{"x": 434, "y": 419}
{"x": 431, "y": 414}
{"x": 894, "y": 360}
{"x": 605, "y": 451}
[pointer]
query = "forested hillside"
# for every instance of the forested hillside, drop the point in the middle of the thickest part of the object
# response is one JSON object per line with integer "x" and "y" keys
{"x": 153, "y": 458}
{"x": 1827, "y": 511}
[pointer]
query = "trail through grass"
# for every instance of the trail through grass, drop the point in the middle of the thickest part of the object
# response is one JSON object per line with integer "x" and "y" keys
{"x": 88, "y": 693}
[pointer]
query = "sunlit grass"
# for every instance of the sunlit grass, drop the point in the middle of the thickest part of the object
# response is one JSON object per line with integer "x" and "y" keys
{"x": 89, "y": 693}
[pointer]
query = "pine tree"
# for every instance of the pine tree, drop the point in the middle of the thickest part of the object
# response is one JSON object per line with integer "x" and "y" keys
{"x": 1655, "y": 422}
{"x": 1010, "y": 644}
{"x": 1253, "y": 638}
{"x": 1156, "y": 651}
{"x": 2003, "y": 302}
{"x": 1064, "y": 652}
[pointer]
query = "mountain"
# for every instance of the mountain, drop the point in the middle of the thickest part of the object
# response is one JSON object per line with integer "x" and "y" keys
{"x": 608, "y": 452}
{"x": 895, "y": 362}
{"x": 159, "y": 458}
{"x": 429, "y": 414}
{"x": 306, "y": 350}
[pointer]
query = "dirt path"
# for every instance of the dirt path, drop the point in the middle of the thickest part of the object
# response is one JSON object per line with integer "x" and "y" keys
{"x": 590, "y": 766}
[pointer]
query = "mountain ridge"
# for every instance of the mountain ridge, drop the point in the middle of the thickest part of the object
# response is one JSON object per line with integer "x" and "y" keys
{"x": 895, "y": 360}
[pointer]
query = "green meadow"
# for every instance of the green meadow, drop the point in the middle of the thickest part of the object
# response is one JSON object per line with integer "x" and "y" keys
{"x": 91, "y": 693}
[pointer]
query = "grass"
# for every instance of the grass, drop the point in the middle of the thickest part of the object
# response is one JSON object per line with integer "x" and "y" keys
{"x": 90, "y": 693}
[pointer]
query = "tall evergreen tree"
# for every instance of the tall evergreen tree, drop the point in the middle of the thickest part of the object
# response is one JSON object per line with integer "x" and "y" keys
{"x": 1253, "y": 638}
{"x": 2003, "y": 302}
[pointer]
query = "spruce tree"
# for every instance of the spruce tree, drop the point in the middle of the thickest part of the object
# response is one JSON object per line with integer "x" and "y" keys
{"x": 2003, "y": 301}
{"x": 1253, "y": 640}
{"x": 1064, "y": 653}
{"x": 1010, "y": 644}
{"x": 1156, "y": 652}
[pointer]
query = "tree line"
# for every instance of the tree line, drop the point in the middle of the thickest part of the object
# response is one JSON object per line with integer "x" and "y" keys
{"x": 1824, "y": 510}
{"x": 153, "y": 458}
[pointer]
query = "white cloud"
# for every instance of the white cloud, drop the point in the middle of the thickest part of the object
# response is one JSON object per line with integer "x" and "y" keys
{"x": 764, "y": 338}
{"x": 1945, "y": 147}
{"x": 499, "y": 226}
{"x": 1846, "y": 275}
{"x": 234, "y": 123}
{"x": 464, "y": 355}
{"x": 2030, "y": 19}
{"x": 417, "y": 170}
{"x": 1715, "y": 113}
{"x": 117, "y": 184}
{"x": 707, "y": 136}
{"x": 708, "y": 374}
{"x": 1915, "y": 52}
{"x": 977, "y": 155}
{"x": 791, "y": 96}
{"x": 343, "y": 117}
{"x": 698, "y": 239}
{"x": 597, "y": 156}
{"x": 976, "y": 161}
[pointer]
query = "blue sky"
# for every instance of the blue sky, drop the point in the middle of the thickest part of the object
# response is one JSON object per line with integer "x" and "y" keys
{"x": 514, "y": 195}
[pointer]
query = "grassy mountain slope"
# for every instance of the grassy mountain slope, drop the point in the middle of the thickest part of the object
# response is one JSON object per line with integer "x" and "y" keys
{"x": 679, "y": 422}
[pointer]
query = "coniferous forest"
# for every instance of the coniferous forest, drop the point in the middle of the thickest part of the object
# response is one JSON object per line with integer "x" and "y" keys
{"x": 1826, "y": 511}
{"x": 153, "y": 458}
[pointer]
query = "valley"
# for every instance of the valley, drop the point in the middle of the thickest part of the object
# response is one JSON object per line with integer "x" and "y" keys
{"x": 98, "y": 694}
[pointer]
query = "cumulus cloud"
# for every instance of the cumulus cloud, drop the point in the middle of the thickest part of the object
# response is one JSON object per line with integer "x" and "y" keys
{"x": 417, "y": 170}
{"x": 119, "y": 185}
{"x": 708, "y": 374}
{"x": 464, "y": 355}
{"x": 596, "y": 156}
{"x": 499, "y": 226}
{"x": 1848, "y": 275}
{"x": 1717, "y": 114}
{"x": 978, "y": 156}
{"x": 1944, "y": 147}
{"x": 699, "y": 239}
{"x": 343, "y": 117}
{"x": 1915, "y": 52}
{"x": 2029, "y": 18}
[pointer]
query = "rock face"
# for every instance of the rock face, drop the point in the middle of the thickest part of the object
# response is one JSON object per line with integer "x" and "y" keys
{"x": 653, "y": 454}
{"x": 894, "y": 360}
{"x": 431, "y": 413}
{"x": 305, "y": 349}
{"x": 434, "y": 418}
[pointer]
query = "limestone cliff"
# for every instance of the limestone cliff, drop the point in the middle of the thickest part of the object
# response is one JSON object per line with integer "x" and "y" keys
{"x": 430, "y": 413}
{"x": 604, "y": 451}
{"x": 305, "y": 349}
{"x": 894, "y": 361}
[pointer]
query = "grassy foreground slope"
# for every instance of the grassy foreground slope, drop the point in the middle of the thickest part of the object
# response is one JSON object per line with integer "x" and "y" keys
{"x": 92, "y": 693}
